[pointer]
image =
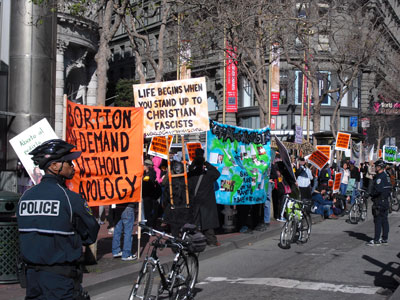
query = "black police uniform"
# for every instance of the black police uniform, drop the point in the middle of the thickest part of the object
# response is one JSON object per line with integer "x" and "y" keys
{"x": 380, "y": 208}
{"x": 54, "y": 223}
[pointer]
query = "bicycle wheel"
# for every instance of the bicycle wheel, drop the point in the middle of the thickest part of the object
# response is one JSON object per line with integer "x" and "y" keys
{"x": 144, "y": 284}
{"x": 395, "y": 204}
{"x": 363, "y": 210}
{"x": 185, "y": 277}
{"x": 287, "y": 233}
{"x": 354, "y": 215}
{"x": 306, "y": 228}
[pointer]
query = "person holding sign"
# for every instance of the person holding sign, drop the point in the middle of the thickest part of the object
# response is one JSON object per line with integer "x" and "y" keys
{"x": 53, "y": 224}
{"x": 180, "y": 214}
{"x": 304, "y": 177}
{"x": 201, "y": 178}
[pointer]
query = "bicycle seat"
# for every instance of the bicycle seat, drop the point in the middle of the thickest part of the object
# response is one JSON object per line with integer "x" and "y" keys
{"x": 189, "y": 228}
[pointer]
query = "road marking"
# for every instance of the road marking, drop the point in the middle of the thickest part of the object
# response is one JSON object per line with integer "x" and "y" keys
{"x": 296, "y": 284}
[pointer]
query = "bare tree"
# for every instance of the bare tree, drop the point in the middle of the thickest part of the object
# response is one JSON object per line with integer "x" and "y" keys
{"x": 109, "y": 16}
{"x": 139, "y": 33}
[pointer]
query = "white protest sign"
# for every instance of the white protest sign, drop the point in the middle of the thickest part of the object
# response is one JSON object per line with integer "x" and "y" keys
{"x": 173, "y": 107}
{"x": 28, "y": 140}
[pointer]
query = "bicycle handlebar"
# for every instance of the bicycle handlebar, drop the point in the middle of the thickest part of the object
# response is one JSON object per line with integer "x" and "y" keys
{"x": 161, "y": 234}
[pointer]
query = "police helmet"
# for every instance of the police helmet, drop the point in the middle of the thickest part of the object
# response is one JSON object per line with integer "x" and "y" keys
{"x": 177, "y": 167}
{"x": 51, "y": 151}
{"x": 380, "y": 163}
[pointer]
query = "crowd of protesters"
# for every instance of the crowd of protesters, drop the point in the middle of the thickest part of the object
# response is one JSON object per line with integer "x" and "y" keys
{"x": 196, "y": 202}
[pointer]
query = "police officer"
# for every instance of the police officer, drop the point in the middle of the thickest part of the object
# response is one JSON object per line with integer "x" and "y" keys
{"x": 380, "y": 208}
{"x": 53, "y": 224}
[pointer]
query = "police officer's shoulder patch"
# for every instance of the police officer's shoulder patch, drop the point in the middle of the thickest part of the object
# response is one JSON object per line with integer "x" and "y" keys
{"x": 88, "y": 209}
{"x": 378, "y": 181}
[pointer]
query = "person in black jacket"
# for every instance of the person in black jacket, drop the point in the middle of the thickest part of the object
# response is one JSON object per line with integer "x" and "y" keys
{"x": 201, "y": 177}
{"x": 53, "y": 224}
{"x": 181, "y": 213}
{"x": 150, "y": 189}
{"x": 380, "y": 208}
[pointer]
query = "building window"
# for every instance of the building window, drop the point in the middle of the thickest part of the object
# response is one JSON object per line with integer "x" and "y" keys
{"x": 323, "y": 43}
{"x": 122, "y": 51}
{"x": 344, "y": 123}
{"x": 248, "y": 93}
{"x": 250, "y": 122}
{"x": 324, "y": 79}
{"x": 281, "y": 122}
{"x": 283, "y": 89}
{"x": 325, "y": 124}
{"x": 304, "y": 127}
{"x": 144, "y": 69}
{"x": 212, "y": 103}
{"x": 354, "y": 93}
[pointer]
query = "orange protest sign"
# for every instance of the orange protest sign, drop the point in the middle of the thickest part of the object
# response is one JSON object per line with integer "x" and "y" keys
{"x": 318, "y": 159}
{"x": 325, "y": 150}
{"x": 191, "y": 148}
{"x": 380, "y": 153}
{"x": 336, "y": 184}
{"x": 158, "y": 146}
{"x": 110, "y": 169}
{"x": 330, "y": 183}
{"x": 342, "y": 141}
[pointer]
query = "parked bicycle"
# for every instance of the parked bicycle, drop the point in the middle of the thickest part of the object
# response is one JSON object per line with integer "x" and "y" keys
{"x": 297, "y": 228}
{"x": 395, "y": 197}
{"x": 180, "y": 281}
{"x": 359, "y": 209}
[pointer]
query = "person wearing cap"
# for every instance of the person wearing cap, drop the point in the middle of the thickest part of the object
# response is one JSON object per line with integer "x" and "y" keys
{"x": 304, "y": 177}
{"x": 380, "y": 208}
{"x": 151, "y": 191}
{"x": 53, "y": 224}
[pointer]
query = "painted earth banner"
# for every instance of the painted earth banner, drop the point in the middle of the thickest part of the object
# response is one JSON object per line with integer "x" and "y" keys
{"x": 110, "y": 169}
{"x": 173, "y": 107}
{"x": 389, "y": 153}
{"x": 243, "y": 157}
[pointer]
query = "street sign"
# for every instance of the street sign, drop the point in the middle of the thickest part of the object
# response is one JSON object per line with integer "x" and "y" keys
{"x": 353, "y": 121}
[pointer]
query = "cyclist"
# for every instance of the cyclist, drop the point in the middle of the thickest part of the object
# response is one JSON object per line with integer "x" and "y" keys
{"x": 53, "y": 224}
{"x": 380, "y": 208}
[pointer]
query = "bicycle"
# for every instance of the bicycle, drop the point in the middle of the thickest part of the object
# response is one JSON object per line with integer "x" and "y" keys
{"x": 395, "y": 197}
{"x": 180, "y": 281}
{"x": 297, "y": 228}
{"x": 359, "y": 209}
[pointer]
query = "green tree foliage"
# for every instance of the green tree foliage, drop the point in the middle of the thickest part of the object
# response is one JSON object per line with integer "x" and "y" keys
{"x": 124, "y": 92}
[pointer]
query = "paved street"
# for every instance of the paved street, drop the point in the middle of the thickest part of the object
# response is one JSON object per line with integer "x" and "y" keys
{"x": 334, "y": 264}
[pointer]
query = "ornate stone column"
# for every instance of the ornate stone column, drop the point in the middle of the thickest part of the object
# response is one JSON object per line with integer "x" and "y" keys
{"x": 91, "y": 97}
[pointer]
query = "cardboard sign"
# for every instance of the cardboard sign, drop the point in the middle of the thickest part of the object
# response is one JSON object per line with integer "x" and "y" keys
{"x": 325, "y": 150}
{"x": 28, "y": 140}
{"x": 158, "y": 146}
{"x": 191, "y": 148}
{"x": 318, "y": 159}
{"x": 173, "y": 107}
{"x": 389, "y": 154}
{"x": 336, "y": 184}
{"x": 342, "y": 141}
{"x": 110, "y": 169}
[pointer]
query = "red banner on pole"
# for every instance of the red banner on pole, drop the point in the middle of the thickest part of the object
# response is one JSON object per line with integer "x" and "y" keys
{"x": 274, "y": 103}
{"x": 231, "y": 81}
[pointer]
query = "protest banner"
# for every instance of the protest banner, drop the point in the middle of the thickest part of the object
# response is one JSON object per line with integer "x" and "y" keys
{"x": 28, "y": 140}
{"x": 389, "y": 153}
{"x": 298, "y": 138}
{"x": 243, "y": 157}
{"x": 191, "y": 148}
{"x": 325, "y": 149}
{"x": 110, "y": 169}
{"x": 158, "y": 146}
{"x": 173, "y": 107}
{"x": 336, "y": 184}
{"x": 318, "y": 159}
{"x": 380, "y": 153}
{"x": 342, "y": 141}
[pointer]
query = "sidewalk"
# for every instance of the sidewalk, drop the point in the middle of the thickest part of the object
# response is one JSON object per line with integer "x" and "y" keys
{"x": 110, "y": 271}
